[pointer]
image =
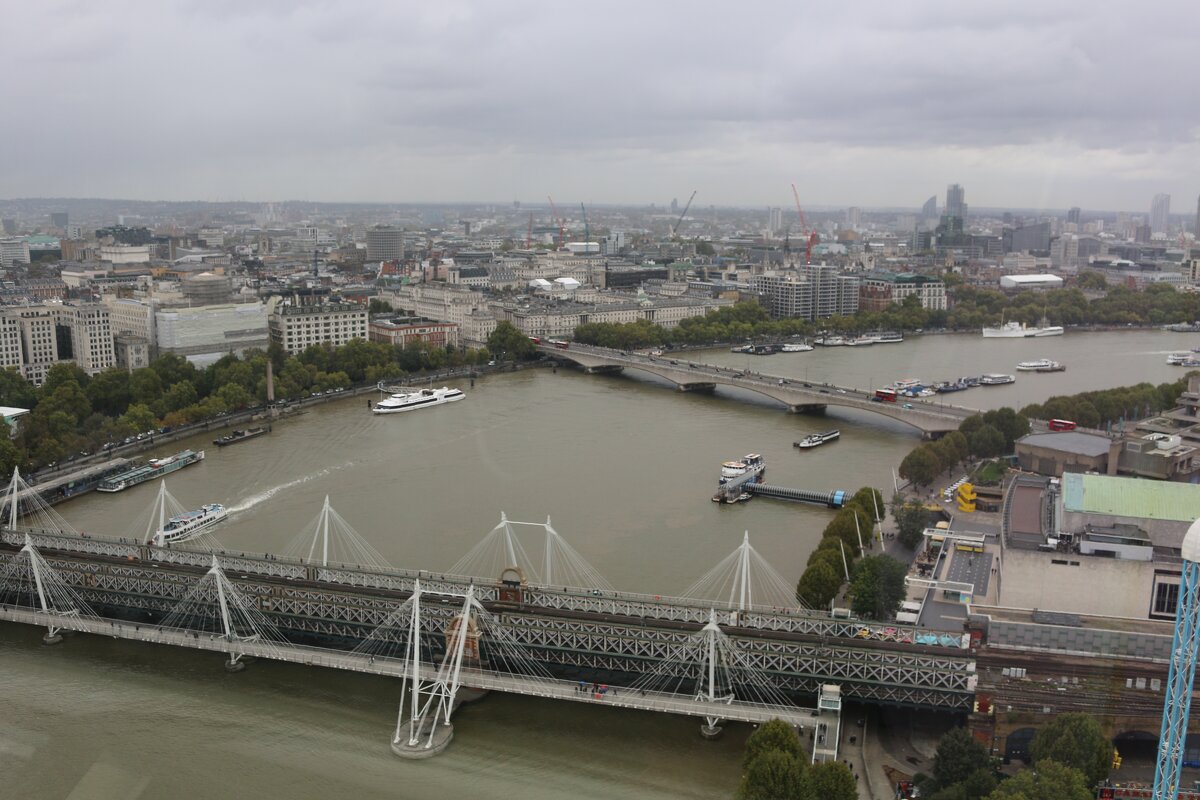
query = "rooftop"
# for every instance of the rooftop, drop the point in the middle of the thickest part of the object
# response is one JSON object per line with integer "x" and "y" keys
{"x": 1080, "y": 444}
{"x": 1131, "y": 497}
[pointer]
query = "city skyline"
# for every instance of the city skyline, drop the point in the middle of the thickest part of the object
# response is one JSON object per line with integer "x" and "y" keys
{"x": 470, "y": 103}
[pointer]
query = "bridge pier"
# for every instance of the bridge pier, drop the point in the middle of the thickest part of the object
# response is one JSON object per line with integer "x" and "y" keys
{"x": 710, "y": 730}
{"x": 53, "y": 637}
{"x": 604, "y": 369}
{"x": 816, "y": 409}
{"x": 706, "y": 388}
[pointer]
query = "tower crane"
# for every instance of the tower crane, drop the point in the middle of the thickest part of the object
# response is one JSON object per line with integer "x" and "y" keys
{"x": 529, "y": 232}
{"x": 810, "y": 236}
{"x": 587, "y": 235}
{"x": 562, "y": 225}
{"x": 678, "y": 222}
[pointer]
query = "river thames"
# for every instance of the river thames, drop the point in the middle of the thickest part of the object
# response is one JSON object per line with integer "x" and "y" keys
{"x": 624, "y": 467}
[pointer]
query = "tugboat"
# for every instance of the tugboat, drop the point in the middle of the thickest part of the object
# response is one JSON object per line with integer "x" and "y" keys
{"x": 817, "y": 439}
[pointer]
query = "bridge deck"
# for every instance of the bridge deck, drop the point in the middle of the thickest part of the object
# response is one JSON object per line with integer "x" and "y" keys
{"x": 736, "y": 710}
{"x": 930, "y": 417}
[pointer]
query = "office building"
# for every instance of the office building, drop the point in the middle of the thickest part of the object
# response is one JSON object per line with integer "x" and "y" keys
{"x": 385, "y": 244}
{"x": 59, "y": 219}
{"x": 13, "y": 251}
{"x": 1028, "y": 238}
{"x": 39, "y": 341}
{"x": 854, "y": 217}
{"x": 880, "y": 290}
{"x": 401, "y": 331}
{"x": 956, "y": 202}
{"x": 775, "y": 223}
{"x": 1160, "y": 213}
{"x": 205, "y": 334}
{"x": 1073, "y": 215}
{"x": 929, "y": 210}
{"x": 131, "y": 352}
{"x": 85, "y": 336}
{"x": 301, "y": 320}
{"x": 10, "y": 341}
{"x": 1196, "y": 230}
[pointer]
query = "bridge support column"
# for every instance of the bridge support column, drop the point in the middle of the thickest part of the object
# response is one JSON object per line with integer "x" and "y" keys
{"x": 53, "y": 636}
{"x": 604, "y": 369}
{"x": 432, "y": 701}
{"x": 706, "y": 388}
{"x": 707, "y": 690}
{"x": 807, "y": 408}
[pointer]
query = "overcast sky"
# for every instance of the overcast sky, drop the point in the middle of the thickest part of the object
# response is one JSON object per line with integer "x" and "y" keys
{"x": 1027, "y": 104}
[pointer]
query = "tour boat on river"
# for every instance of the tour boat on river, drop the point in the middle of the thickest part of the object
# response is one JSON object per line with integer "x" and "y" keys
{"x": 817, "y": 439}
{"x": 417, "y": 398}
{"x": 190, "y": 524}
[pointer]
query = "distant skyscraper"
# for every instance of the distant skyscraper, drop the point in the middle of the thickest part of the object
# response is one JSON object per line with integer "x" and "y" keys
{"x": 956, "y": 201}
{"x": 1197, "y": 218}
{"x": 385, "y": 244}
{"x": 1073, "y": 215}
{"x": 929, "y": 210}
{"x": 854, "y": 217}
{"x": 775, "y": 223}
{"x": 59, "y": 219}
{"x": 1160, "y": 211}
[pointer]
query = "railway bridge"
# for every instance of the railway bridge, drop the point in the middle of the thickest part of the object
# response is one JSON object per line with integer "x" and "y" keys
{"x": 930, "y": 418}
{"x": 442, "y": 633}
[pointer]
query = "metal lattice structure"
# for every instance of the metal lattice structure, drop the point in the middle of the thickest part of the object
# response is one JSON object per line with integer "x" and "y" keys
{"x": 1178, "y": 700}
{"x": 743, "y": 581}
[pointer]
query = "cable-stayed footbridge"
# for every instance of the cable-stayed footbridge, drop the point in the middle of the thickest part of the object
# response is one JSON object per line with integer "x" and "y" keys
{"x": 738, "y": 649}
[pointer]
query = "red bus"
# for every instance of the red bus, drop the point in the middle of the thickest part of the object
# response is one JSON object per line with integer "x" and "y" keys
{"x": 535, "y": 340}
{"x": 1060, "y": 425}
{"x": 885, "y": 395}
{"x": 560, "y": 344}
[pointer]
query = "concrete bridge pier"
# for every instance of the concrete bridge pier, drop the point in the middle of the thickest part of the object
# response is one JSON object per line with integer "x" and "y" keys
{"x": 815, "y": 409}
{"x": 604, "y": 369}
{"x": 706, "y": 388}
{"x": 710, "y": 730}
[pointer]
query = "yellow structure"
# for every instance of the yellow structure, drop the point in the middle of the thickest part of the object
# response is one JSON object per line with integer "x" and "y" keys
{"x": 966, "y": 498}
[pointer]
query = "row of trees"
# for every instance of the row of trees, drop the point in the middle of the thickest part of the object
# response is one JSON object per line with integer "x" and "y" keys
{"x": 72, "y": 412}
{"x": 974, "y": 308}
{"x": 1069, "y": 755}
{"x": 986, "y": 435}
{"x": 775, "y": 766}
{"x": 1109, "y": 406}
{"x": 876, "y": 586}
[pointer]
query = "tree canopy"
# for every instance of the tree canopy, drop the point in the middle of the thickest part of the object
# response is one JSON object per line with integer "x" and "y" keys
{"x": 877, "y": 587}
{"x": 1074, "y": 740}
{"x": 958, "y": 756}
{"x": 1048, "y": 781}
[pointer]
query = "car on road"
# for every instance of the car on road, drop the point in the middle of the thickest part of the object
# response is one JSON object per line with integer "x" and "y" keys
{"x": 908, "y": 405}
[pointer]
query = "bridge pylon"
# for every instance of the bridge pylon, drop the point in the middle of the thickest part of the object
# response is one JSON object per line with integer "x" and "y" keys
{"x": 708, "y": 689}
{"x": 29, "y": 580}
{"x": 433, "y": 700}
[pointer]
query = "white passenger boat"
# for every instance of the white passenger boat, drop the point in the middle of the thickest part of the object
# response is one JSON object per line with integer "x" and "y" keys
{"x": 417, "y": 398}
{"x": 996, "y": 379}
{"x": 796, "y": 348}
{"x": 1032, "y": 366}
{"x": 190, "y": 524}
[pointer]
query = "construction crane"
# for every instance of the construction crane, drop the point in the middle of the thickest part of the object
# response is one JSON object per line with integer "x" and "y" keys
{"x": 562, "y": 225}
{"x": 810, "y": 236}
{"x": 529, "y": 232}
{"x": 687, "y": 205}
{"x": 587, "y": 235}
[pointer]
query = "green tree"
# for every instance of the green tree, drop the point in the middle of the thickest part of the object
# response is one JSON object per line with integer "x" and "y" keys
{"x": 987, "y": 442}
{"x": 64, "y": 372}
{"x": 109, "y": 392}
{"x": 958, "y": 755}
{"x": 508, "y": 342}
{"x": 911, "y": 521}
{"x": 818, "y": 585}
{"x": 145, "y": 386}
{"x": 877, "y": 587}
{"x": 832, "y": 780}
{"x": 180, "y": 396}
{"x": 15, "y": 391}
{"x": 378, "y": 306}
{"x": 774, "y": 734}
{"x": 233, "y": 395}
{"x": 137, "y": 419}
{"x": 773, "y": 775}
{"x": 1076, "y": 741}
{"x": 978, "y": 785}
{"x": 1048, "y": 781}
{"x": 920, "y": 466}
{"x": 1011, "y": 424}
{"x": 173, "y": 368}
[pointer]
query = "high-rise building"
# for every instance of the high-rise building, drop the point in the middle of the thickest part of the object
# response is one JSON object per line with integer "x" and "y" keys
{"x": 385, "y": 244}
{"x": 1160, "y": 212}
{"x": 1197, "y": 230}
{"x": 59, "y": 219}
{"x": 39, "y": 342}
{"x": 1073, "y": 215}
{"x": 929, "y": 210}
{"x": 854, "y": 217}
{"x": 13, "y": 251}
{"x": 775, "y": 222}
{"x": 85, "y": 336}
{"x": 956, "y": 201}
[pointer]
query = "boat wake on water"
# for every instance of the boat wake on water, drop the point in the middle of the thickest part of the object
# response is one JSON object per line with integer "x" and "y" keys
{"x": 255, "y": 499}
